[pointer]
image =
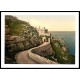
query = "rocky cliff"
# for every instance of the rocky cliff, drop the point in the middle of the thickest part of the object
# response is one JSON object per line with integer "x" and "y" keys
{"x": 62, "y": 55}
{"x": 19, "y": 35}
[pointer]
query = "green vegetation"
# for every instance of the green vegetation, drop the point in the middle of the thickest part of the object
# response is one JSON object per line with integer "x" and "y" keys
{"x": 26, "y": 37}
{"x": 16, "y": 26}
{"x": 19, "y": 36}
{"x": 63, "y": 57}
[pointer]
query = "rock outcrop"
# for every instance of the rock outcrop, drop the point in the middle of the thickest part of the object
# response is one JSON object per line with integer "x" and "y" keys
{"x": 19, "y": 35}
{"x": 61, "y": 53}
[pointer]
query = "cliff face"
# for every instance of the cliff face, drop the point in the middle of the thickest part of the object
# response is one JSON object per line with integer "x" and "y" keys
{"x": 61, "y": 53}
{"x": 19, "y": 35}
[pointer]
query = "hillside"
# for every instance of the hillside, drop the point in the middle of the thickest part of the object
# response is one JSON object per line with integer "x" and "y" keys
{"x": 61, "y": 54}
{"x": 19, "y": 36}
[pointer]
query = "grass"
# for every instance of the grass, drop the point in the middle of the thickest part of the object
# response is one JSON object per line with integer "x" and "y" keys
{"x": 62, "y": 56}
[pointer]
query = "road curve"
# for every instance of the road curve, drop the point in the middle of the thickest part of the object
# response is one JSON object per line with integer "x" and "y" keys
{"x": 23, "y": 57}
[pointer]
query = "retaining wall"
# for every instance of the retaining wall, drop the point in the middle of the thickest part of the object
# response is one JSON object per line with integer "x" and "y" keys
{"x": 44, "y": 50}
{"x": 39, "y": 58}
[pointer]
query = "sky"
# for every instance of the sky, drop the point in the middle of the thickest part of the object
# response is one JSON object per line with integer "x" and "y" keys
{"x": 50, "y": 22}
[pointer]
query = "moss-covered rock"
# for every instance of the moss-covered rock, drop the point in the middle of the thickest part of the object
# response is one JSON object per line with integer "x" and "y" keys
{"x": 19, "y": 35}
{"x": 62, "y": 56}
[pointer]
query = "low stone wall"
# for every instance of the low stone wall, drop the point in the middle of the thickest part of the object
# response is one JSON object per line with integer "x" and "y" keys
{"x": 44, "y": 50}
{"x": 39, "y": 58}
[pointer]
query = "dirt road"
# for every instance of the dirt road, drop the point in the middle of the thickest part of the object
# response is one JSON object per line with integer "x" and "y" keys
{"x": 23, "y": 58}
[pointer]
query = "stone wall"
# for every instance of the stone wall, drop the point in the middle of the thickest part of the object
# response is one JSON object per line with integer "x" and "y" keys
{"x": 43, "y": 50}
{"x": 39, "y": 58}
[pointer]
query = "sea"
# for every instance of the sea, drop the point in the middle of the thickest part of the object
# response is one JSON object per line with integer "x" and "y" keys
{"x": 68, "y": 37}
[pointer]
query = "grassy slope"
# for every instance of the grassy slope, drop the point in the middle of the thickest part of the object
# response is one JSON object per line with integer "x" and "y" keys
{"x": 16, "y": 26}
{"x": 61, "y": 56}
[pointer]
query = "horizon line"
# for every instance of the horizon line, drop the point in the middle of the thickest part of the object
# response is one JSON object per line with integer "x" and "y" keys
{"x": 68, "y": 31}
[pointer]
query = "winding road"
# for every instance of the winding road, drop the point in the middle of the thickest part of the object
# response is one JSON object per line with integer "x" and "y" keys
{"x": 23, "y": 57}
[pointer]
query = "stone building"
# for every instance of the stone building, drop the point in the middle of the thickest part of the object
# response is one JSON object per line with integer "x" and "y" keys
{"x": 44, "y": 33}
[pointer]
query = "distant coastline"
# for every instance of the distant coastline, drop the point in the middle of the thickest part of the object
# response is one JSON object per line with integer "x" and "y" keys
{"x": 61, "y": 31}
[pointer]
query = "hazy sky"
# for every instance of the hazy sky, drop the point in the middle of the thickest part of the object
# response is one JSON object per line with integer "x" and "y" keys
{"x": 51, "y": 22}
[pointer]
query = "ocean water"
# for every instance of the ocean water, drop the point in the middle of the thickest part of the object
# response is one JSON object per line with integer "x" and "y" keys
{"x": 68, "y": 37}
